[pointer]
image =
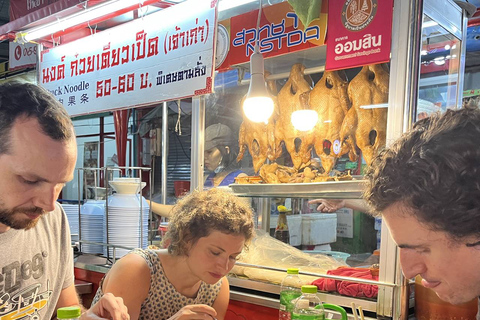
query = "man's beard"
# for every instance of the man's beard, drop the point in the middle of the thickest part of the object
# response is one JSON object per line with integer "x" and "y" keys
{"x": 7, "y": 217}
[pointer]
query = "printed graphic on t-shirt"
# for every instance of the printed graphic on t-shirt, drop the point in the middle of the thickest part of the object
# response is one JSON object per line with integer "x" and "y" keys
{"x": 20, "y": 301}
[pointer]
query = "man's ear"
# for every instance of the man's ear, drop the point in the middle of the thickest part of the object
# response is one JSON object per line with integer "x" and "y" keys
{"x": 227, "y": 149}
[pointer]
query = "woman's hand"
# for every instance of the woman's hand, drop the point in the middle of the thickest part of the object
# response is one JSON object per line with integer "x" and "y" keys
{"x": 108, "y": 307}
{"x": 328, "y": 205}
{"x": 195, "y": 311}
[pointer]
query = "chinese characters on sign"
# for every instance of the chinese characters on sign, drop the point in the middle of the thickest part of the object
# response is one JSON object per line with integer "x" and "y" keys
{"x": 137, "y": 63}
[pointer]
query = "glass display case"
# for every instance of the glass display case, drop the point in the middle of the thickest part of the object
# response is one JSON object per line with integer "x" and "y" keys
{"x": 424, "y": 75}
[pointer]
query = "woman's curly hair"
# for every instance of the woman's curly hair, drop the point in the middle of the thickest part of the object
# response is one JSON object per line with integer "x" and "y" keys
{"x": 434, "y": 169}
{"x": 201, "y": 212}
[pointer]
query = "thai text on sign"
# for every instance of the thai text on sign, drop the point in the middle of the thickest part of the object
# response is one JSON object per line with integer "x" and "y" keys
{"x": 164, "y": 56}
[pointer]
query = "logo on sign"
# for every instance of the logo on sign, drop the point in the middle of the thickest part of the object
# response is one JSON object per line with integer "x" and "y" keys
{"x": 357, "y": 14}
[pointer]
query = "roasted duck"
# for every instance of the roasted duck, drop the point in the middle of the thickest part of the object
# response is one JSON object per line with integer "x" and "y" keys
{"x": 259, "y": 138}
{"x": 330, "y": 99}
{"x": 275, "y": 173}
{"x": 365, "y": 123}
{"x": 298, "y": 144}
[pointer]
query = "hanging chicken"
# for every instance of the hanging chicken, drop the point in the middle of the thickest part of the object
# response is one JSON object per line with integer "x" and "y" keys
{"x": 366, "y": 122}
{"x": 299, "y": 144}
{"x": 259, "y": 137}
{"x": 330, "y": 99}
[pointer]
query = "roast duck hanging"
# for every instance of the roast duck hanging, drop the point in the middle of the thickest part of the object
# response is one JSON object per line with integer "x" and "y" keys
{"x": 329, "y": 98}
{"x": 291, "y": 97}
{"x": 365, "y": 124}
{"x": 351, "y": 116}
{"x": 259, "y": 137}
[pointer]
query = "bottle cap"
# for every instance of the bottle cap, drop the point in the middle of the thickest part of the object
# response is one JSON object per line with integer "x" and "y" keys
{"x": 69, "y": 312}
{"x": 283, "y": 209}
{"x": 309, "y": 289}
{"x": 292, "y": 271}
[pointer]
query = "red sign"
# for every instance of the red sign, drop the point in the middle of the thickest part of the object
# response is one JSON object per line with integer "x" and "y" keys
{"x": 20, "y": 8}
{"x": 359, "y": 33}
{"x": 281, "y": 32}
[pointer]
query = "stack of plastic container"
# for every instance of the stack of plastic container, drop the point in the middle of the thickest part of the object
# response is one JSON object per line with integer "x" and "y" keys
{"x": 128, "y": 214}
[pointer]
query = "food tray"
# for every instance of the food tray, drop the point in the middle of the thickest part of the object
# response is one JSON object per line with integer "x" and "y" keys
{"x": 351, "y": 189}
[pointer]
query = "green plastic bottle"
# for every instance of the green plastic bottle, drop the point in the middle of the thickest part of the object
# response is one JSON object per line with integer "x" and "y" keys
{"x": 70, "y": 313}
{"x": 289, "y": 291}
{"x": 308, "y": 306}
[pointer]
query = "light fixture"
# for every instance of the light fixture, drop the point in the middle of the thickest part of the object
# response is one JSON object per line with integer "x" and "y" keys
{"x": 258, "y": 105}
{"x": 304, "y": 120}
{"x": 88, "y": 14}
{"x": 429, "y": 23}
{"x": 439, "y": 61}
{"x": 374, "y": 106}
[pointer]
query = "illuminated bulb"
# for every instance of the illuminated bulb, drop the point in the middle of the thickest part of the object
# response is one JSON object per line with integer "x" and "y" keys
{"x": 439, "y": 61}
{"x": 258, "y": 106}
{"x": 258, "y": 109}
{"x": 304, "y": 120}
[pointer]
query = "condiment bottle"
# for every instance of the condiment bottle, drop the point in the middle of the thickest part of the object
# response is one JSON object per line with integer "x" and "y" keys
{"x": 281, "y": 231}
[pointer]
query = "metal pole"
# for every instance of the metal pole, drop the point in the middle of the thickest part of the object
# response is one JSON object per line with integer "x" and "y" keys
{"x": 461, "y": 69}
{"x": 164, "y": 152}
{"x": 79, "y": 211}
{"x": 198, "y": 140}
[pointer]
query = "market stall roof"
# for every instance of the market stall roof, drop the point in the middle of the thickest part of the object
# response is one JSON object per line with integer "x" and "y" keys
{"x": 64, "y": 8}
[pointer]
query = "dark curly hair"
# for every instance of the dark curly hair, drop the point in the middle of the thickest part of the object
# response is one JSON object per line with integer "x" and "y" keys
{"x": 27, "y": 100}
{"x": 201, "y": 212}
{"x": 434, "y": 170}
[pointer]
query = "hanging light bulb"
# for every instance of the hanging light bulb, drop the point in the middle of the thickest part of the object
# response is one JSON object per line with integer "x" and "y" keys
{"x": 258, "y": 105}
{"x": 304, "y": 120}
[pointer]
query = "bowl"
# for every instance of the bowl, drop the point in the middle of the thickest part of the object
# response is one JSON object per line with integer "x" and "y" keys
{"x": 127, "y": 185}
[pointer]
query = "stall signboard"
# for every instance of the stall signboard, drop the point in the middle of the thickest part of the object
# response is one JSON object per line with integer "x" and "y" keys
{"x": 471, "y": 93}
{"x": 166, "y": 55}
{"x": 281, "y": 32}
{"x": 359, "y": 33}
{"x": 22, "y": 55}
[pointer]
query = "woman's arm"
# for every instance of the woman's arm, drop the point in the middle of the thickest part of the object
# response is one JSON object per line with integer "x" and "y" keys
{"x": 129, "y": 279}
{"x": 163, "y": 210}
{"x": 221, "y": 303}
{"x": 332, "y": 205}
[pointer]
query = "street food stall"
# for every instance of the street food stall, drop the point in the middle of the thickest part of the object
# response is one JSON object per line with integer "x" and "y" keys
{"x": 338, "y": 81}
{"x": 363, "y": 92}
{"x": 361, "y": 101}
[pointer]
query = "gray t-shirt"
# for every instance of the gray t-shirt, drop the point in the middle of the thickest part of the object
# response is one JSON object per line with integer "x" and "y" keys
{"x": 35, "y": 265}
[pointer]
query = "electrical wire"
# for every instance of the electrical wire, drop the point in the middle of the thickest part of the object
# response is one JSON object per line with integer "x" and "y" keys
{"x": 257, "y": 45}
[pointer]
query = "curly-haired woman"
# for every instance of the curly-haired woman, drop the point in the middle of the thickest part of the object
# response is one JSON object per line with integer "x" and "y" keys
{"x": 207, "y": 232}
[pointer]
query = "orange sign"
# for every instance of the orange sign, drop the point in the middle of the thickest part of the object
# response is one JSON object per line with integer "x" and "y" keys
{"x": 281, "y": 32}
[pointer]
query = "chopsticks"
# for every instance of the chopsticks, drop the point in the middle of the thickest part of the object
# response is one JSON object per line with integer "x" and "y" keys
{"x": 360, "y": 312}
